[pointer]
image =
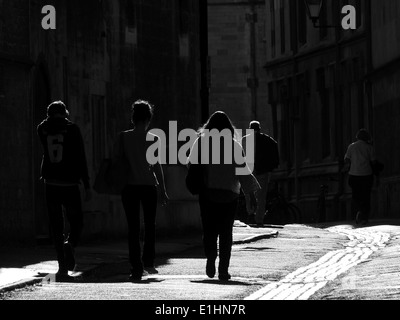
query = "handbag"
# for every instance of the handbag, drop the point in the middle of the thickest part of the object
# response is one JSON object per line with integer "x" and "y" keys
{"x": 195, "y": 179}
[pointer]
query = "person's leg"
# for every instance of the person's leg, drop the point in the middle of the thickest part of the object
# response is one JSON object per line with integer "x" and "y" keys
{"x": 131, "y": 203}
{"x": 365, "y": 197}
{"x": 261, "y": 196}
{"x": 56, "y": 219}
{"x": 73, "y": 207}
{"x": 225, "y": 229}
{"x": 149, "y": 204}
{"x": 210, "y": 234}
{"x": 356, "y": 197}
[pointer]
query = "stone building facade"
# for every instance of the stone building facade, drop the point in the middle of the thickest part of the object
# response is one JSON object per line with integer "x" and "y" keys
{"x": 318, "y": 99}
{"x": 237, "y": 49}
{"x": 384, "y": 80}
{"x": 324, "y": 84}
{"x": 101, "y": 57}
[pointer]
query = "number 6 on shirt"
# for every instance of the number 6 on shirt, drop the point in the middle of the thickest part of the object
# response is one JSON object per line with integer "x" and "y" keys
{"x": 55, "y": 147}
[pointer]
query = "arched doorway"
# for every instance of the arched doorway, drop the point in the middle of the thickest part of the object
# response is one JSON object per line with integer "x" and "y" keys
{"x": 41, "y": 99}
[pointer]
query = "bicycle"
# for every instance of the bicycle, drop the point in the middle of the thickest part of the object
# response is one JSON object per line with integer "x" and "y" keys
{"x": 279, "y": 211}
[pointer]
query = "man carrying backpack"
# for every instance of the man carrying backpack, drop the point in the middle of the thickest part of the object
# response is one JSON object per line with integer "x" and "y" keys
{"x": 266, "y": 159}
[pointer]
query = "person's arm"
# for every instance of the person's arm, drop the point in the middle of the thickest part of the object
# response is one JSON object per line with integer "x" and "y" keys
{"x": 347, "y": 161}
{"x": 160, "y": 177}
{"x": 346, "y": 166}
{"x": 248, "y": 183}
{"x": 158, "y": 170}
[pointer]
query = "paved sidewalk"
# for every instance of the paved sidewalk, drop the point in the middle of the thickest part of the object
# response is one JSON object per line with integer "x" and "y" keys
{"x": 378, "y": 277}
{"x": 21, "y": 266}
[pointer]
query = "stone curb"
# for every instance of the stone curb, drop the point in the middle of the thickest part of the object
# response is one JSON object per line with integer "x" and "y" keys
{"x": 256, "y": 238}
{"x": 20, "y": 284}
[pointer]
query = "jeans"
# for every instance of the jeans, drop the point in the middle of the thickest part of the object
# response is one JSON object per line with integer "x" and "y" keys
{"x": 132, "y": 197}
{"x": 361, "y": 194}
{"x": 58, "y": 197}
{"x": 217, "y": 219}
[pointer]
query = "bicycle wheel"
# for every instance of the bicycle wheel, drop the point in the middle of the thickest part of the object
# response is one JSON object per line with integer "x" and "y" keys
{"x": 288, "y": 215}
{"x": 273, "y": 215}
{"x": 295, "y": 213}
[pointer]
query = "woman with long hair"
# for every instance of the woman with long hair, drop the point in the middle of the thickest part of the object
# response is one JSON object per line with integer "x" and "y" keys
{"x": 141, "y": 189}
{"x": 222, "y": 185}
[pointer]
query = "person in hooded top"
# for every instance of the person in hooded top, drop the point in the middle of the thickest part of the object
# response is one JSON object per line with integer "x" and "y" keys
{"x": 63, "y": 169}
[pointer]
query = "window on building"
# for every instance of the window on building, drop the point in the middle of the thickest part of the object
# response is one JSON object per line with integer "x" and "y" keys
{"x": 358, "y": 7}
{"x": 336, "y": 10}
{"x": 273, "y": 35}
{"x": 302, "y": 97}
{"x": 334, "y": 101}
{"x": 99, "y": 129}
{"x": 184, "y": 16}
{"x": 272, "y": 102}
{"x": 302, "y": 21}
{"x": 345, "y": 95}
{"x": 273, "y": 40}
{"x": 282, "y": 23}
{"x": 293, "y": 25}
{"x": 323, "y": 32}
{"x": 130, "y": 14}
{"x": 325, "y": 113}
{"x": 284, "y": 122}
{"x": 292, "y": 116}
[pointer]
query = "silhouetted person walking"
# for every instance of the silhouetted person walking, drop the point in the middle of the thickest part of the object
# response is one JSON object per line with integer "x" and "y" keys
{"x": 222, "y": 184}
{"x": 63, "y": 168}
{"x": 360, "y": 157}
{"x": 141, "y": 189}
{"x": 266, "y": 159}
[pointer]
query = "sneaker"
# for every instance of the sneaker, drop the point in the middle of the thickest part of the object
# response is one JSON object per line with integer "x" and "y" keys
{"x": 210, "y": 268}
{"x": 63, "y": 276}
{"x": 69, "y": 256}
{"x": 135, "y": 277}
{"x": 224, "y": 276}
{"x": 138, "y": 277}
{"x": 151, "y": 270}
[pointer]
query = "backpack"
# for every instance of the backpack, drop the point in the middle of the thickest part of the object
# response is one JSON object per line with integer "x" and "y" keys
{"x": 273, "y": 159}
{"x": 267, "y": 156}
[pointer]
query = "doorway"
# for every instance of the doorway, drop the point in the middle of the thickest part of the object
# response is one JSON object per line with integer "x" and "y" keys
{"x": 41, "y": 99}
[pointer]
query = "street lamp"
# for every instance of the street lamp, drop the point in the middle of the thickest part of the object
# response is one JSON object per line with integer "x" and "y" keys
{"x": 313, "y": 10}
